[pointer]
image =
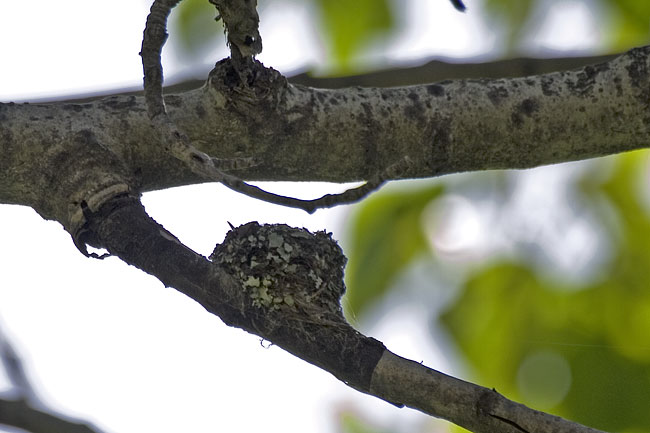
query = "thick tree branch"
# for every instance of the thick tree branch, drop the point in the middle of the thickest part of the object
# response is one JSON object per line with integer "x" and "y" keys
{"x": 300, "y": 133}
{"x": 284, "y": 285}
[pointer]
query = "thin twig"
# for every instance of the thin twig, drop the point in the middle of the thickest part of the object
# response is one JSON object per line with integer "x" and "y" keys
{"x": 202, "y": 164}
{"x": 155, "y": 36}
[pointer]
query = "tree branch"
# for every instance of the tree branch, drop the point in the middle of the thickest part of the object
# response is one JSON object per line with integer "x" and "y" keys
{"x": 18, "y": 413}
{"x": 285, "y": 285}
{"x": 299, "y": 133}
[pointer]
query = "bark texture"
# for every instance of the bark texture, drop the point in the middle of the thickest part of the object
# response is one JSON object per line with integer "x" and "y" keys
{"x": 341, "y": 135}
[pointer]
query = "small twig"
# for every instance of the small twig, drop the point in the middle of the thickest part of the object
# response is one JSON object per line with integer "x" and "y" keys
{"x": 202, "y": 164}
{"x": 155, "y": 36}
{"x": 349, "y": 196}
{"x": 180, "y": 146}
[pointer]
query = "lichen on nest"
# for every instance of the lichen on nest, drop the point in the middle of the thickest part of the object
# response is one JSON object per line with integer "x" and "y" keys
{"x": 288, "y": 273}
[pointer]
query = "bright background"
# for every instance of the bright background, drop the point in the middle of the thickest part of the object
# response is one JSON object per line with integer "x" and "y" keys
{"x": 107, "y": 343}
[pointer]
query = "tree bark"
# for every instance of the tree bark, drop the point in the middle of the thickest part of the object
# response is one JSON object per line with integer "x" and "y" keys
{"x": 300, "y": 133}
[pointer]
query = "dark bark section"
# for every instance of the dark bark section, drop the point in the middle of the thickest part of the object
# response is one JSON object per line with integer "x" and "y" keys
{"x": 299, "y": 312}
{"x": 18, "y": 413}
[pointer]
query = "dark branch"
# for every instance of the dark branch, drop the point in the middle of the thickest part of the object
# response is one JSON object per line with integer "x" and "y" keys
{"x": 284, "y": 285}
{"x": 18, "y": 413}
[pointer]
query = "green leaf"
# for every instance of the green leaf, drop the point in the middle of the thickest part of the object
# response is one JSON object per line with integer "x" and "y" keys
{"x": 385, "y": 236}
{"x": 350, "y": 25}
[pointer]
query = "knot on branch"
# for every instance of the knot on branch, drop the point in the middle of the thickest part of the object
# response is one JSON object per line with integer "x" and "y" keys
{"x": 249, "y": 79}
{"x": 293, "y": 279}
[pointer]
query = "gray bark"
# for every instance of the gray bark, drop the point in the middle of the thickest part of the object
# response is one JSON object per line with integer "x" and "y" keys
{"x": 300, "y": 133}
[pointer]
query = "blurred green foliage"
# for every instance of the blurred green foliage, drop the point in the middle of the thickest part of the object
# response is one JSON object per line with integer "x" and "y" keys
{"x": 625, "y": 23}
{"x": 509, "y": 312}
{"x": 350, "y": 422}
{"x": 196, "y": 28}
{"x": 511, "y": 17}
{"x": 385, "y": 236}
{"x": 629, "y": 21}
{"x": 579, "y": 349}
{"x": 349, "y": 26}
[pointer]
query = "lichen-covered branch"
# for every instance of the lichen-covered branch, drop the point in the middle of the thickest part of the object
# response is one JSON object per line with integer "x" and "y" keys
{"x": 285, "y": 284}
{"x": 300, "y": 133}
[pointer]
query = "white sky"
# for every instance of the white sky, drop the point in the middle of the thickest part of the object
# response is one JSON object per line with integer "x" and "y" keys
{"x": 108, "y": 343}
